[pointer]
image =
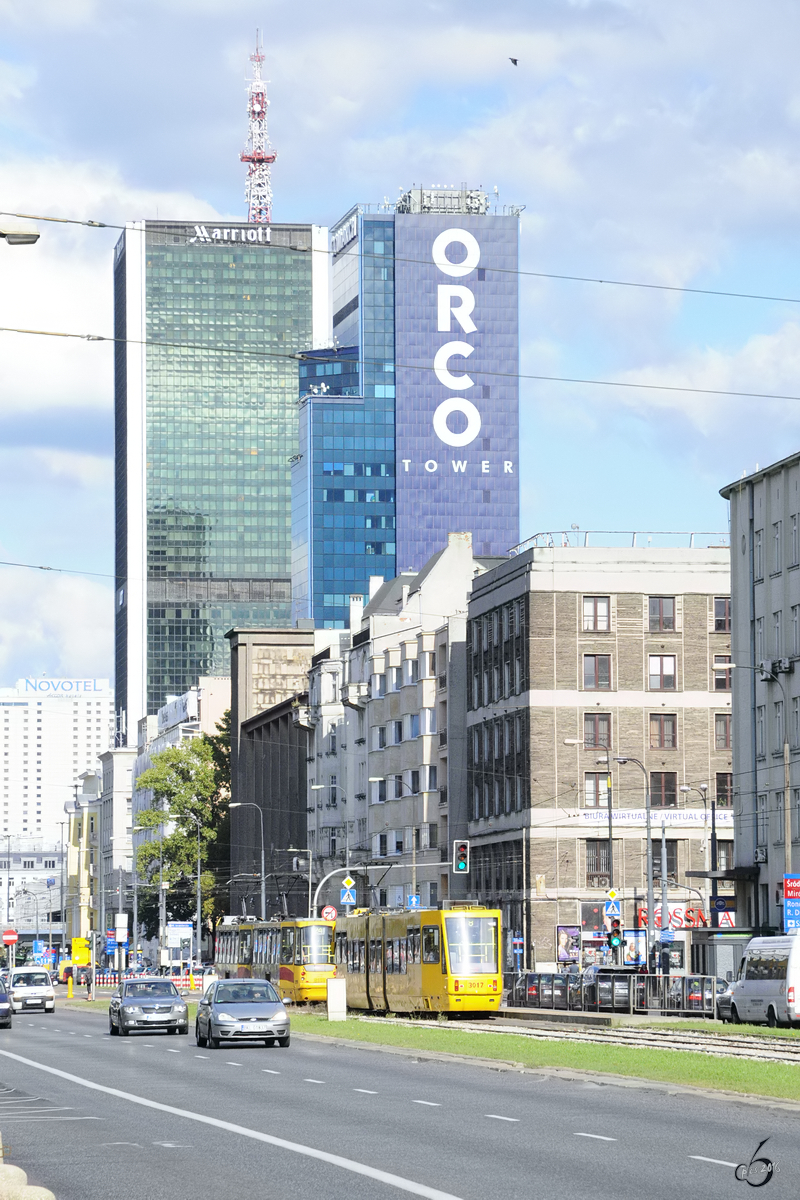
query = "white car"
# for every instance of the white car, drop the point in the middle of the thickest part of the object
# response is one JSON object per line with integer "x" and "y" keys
{"x": 767, "y": 986}
{"x": 29, "y": 988}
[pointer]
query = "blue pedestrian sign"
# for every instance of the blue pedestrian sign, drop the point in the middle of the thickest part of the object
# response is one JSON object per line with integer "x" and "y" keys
{"x": 613, "y": 908}
{"x": 667, "y": 936}
{"x": 413, "y": 902}
{"x": 347, "y": 896}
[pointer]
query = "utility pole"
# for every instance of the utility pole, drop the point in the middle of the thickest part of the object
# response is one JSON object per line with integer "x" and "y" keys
{"x": 664, "y": 900}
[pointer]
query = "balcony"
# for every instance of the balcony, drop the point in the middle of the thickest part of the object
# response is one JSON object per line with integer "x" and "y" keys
{"x": 442, "y": 738}
{"x": 442, "y": 682}
{"x": 443, "y": 795}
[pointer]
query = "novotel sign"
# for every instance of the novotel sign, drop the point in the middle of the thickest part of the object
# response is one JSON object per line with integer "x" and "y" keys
{"x": 63, "y": 687}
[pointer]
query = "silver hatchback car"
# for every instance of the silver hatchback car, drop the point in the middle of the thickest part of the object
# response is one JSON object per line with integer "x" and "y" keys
{"x": 241, "y": 1010}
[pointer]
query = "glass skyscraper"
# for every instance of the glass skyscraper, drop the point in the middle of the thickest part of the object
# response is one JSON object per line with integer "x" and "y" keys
{"x": 206, "y": 389}
{"x": 409, "y": 422}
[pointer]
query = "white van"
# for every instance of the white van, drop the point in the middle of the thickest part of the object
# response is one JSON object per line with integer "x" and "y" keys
{"x": 29, "y": 988}
{"x": 767, "y": 985}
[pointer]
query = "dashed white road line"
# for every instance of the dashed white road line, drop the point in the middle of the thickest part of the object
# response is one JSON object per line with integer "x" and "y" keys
{"x": 267, "y": 1071}
{"x": 427, "y": 1103}
{"x": 497, "y": 1117}
{"x": 88, "y": 1035}
{"x": 313, "y": 1081}
{"x": 598, "y": 1137}
{"x": 171, "y": 1051}
{"x": 201, "y": 1056}
{"x": 720, "y": 1162}
{"x": 365, "y": 1091}
{"x": 232, "y": 1064}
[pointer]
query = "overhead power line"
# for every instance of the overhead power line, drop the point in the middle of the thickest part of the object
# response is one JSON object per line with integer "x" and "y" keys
{"x": 558, "y": 276}
{"x": 320, "y": 358}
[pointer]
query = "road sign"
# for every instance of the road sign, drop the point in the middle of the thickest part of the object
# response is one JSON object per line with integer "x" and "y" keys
{"x": 348, "y": 884}
{"x": 10, "y": 937}
{"x": 791, "y": 915}
{"x": 720, "y": 905}
{"x": 176, "y": 931}
{"x": 413, "y": 902}
{"x": 612, "y": 893}
{"x": 667, "y": 936}
{"x": 329, "y": 913}
{"x": 613, "y": 908}
{"x": 347, "y": 896}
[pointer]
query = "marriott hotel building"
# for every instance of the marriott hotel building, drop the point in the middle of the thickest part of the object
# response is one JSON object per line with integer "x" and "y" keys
{"x": 209, "y": 322}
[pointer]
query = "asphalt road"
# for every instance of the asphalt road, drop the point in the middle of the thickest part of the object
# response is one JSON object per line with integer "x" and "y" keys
{"x": 165, "y": 1118}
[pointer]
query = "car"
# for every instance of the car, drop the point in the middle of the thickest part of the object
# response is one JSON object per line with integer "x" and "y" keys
{"x": 724, "y": 1000}
{"x": 241, "y": 1010}
{"x": 31, "y": 987}
{"x": 5, "y": 1009}
{"x": 767, "y": 985}
{"x": 147, "y": 1003}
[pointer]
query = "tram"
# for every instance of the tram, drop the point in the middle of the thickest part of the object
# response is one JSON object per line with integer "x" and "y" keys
{"x": 432, "y": 960}
{"x": 295, "y": 954}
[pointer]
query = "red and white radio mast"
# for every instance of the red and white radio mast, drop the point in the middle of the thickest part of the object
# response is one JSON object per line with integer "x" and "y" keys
{"x": 259, "y": 153}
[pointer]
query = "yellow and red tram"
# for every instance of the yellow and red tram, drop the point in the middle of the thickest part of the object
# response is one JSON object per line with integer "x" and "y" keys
{"x": 433, "y": 960}
{"x": 295, "y": 954}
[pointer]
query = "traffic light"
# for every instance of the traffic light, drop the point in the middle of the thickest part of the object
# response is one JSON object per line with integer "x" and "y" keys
{"x": 614, "y": 935}
{"x": 461, "y": 857}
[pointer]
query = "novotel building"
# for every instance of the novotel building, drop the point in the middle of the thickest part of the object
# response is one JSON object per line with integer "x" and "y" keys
{"x": 409, "y": 422}
{"x": 210, "y": 318}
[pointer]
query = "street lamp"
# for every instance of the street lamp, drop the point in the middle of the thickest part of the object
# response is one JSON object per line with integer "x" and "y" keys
{"x": 382, "y": 779}
{"x": 198, "y": 919}
{"x": 320, "y": 787}
{"x": 18, "y": 237}
{"x": 650, "y": 904}
{"x": 250, "y": 804}
{"x": 600, "y": 761}
{"x": 702, "y": 789}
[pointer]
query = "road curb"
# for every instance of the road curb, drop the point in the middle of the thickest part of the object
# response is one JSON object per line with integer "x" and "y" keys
{"x": 601, "y": 1078}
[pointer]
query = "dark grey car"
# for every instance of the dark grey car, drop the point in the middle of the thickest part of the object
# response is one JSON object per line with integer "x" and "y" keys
{"x": 147, "y": 1003}
{"x": 241, "y": 1010}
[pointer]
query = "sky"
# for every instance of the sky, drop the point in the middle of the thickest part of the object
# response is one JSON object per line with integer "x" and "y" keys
{"x": 648, "y": 143}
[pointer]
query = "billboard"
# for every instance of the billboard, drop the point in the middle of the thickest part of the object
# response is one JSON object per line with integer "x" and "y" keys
{"x": 457, "y": 397}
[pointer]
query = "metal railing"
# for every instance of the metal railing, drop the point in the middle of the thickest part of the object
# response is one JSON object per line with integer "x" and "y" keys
{"x": 610, "y": 538}
{"x": 611, "y": 991}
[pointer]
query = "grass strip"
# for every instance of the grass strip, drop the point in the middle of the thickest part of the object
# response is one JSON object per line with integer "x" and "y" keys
{"x": 681, "y": 1067}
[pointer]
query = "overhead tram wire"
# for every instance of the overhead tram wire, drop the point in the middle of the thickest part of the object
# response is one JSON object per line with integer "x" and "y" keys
{"x": 557, "y": 276}
{"x": 314, "y": 357}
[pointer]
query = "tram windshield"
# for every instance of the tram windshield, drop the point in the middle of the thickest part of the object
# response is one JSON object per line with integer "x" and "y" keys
{"x": 471, "y": 944}
{"x": 316, "y": 945}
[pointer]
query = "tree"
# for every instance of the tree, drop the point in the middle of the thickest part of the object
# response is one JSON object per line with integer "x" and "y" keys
{"x": 184, "y": 783}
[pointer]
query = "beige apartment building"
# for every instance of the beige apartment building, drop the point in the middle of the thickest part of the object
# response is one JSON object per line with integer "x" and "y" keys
{"x": 573, "y": 650}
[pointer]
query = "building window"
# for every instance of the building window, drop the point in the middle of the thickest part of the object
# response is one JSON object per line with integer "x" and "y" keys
{"x": 777, "y": 531}
{"x": 758, "y": 554}
{"x": 398, "y": 786}
{"x": 724, "y": 855}
{"x": 414, "y": 782}
{"x": 661, "y": 611}
{"x": 672, "y": 858}
{"x": 382, "y": 845}
{"x": 722, "y": 731}
{"x": 378, "y": 791}
{"x": 722, "y": 673}
{"x": 596, "y": 672}
{"x": 795, "y": 547}
{"x": 597, "y": 861}
{"x": 761, "y": 721}
{"x": 796, "y": 629}
{"x": 777, "y": 633}
{"x": 779, "y": 838}
{"x": 762, "y": 822}
{"x": 663, "y": 789}
{"x": 661, "y": 672}
{"x": 596, "y": 614}
{"x": 433, "y": 778}
{"x": 722, "y": 614}
{"x": 724, "y": 789}
{"x": 795, "y": 721}
{"x": 760, "y": 649}
{"x": 396, "y": 728}
{"x": 595, "y": 790}
{"x": 596, "y": 730}
{"x": 778, "y": 746}
{"x": 795, "y": 815}
{"x": 663, "y": 731}
{"x": 379, "y": 737}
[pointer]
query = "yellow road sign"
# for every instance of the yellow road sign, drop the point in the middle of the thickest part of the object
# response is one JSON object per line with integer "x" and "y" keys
{"x": 348, "y": 883}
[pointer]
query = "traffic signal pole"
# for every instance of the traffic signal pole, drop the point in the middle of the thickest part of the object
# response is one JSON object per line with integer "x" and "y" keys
{"x": 664, "y": 901}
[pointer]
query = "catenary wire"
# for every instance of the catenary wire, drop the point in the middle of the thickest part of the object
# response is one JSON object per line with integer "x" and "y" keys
{"x": 317, "y": 358}
{"x": 626, "y": 283}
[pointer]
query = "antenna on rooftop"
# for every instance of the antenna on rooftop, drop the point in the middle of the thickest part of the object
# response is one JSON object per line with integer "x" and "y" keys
{"x": 258, "y": 152}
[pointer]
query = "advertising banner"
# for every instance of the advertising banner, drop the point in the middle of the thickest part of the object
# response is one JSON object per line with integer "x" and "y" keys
{"x": 635, "y": 947}
{"x": 457, "y": 396}
{"x": 568, "y": 944}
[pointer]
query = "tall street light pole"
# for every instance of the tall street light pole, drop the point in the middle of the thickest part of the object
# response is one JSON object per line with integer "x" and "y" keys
{"x": 650, "y": 902}
{"x": 382, "y": 779}
{"x": 320, "y": 787}
{"x": 199, "y": 917}
{"x": 600, "y": 761}
{"x": 701, "y": 790}
{"x": 257, "y": 807}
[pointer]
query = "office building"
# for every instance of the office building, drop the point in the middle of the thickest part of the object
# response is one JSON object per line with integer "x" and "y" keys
{"x": 53, "y": 730}
{"x": 765, "y": 592}
{"x": 624, "y": 649}
{"x": 409, "y": 423}
{"x": 206, "y": 425}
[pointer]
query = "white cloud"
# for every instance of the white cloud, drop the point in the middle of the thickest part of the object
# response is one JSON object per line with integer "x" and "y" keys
{"x": 85, "y": 470}
{"x": 55, "y": 623}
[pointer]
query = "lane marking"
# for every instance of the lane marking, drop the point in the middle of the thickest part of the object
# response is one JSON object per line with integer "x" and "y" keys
{"x": 88, "y": 1035}
{"x": 174, "y": 1145}
{"x": 427, "y": 1103}
{"x": 137, "y": 1144}
{"x": 201, "y": 1056}
{"x": 267, "y": 1071}
{"x": 15, "y": 1119}
{"x": 313, "y": 1081}
{"x": 232, "y": 1064}
{"x": 171, "y": 1051}
{"x": 598, "y": 1137}
{"x": 720, "y": 1162}
{"x": 365, "y": 1091}
{"x": 497, "y": 1117}
{"x": 334, "y": 1160}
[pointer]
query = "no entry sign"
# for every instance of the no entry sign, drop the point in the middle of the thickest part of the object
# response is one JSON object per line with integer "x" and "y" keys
{"x": 10, "y": 937}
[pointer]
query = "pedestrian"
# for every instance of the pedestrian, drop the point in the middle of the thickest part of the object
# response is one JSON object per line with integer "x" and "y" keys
{"x": 88, "y": 978}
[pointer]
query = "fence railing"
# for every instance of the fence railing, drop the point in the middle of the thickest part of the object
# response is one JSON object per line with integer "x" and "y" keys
{"x": 610, "y": 991}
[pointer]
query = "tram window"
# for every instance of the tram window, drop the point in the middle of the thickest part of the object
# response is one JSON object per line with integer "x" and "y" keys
{"x": 287, "y": 945}
{"x": 403, "y": 956}
{"x": 472, "y": 945}
{"x": 413, "y": 947}
{"x": 315, "y": 945}
{"x": 376, "y": 964}
{"x": 362, "y": 962}
{"x": 389, "y": 956}
{"x": 430, "y": 943}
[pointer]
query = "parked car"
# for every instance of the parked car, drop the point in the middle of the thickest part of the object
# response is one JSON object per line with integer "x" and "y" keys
{"x": 31, "y": 987}
{"x": 241, "y": 1010}
{"x": 724, "y": 1000}
{"x": 147, "y": 1003}
{"x": 5, "y": 1008}
{"x": 767, "y": 986}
